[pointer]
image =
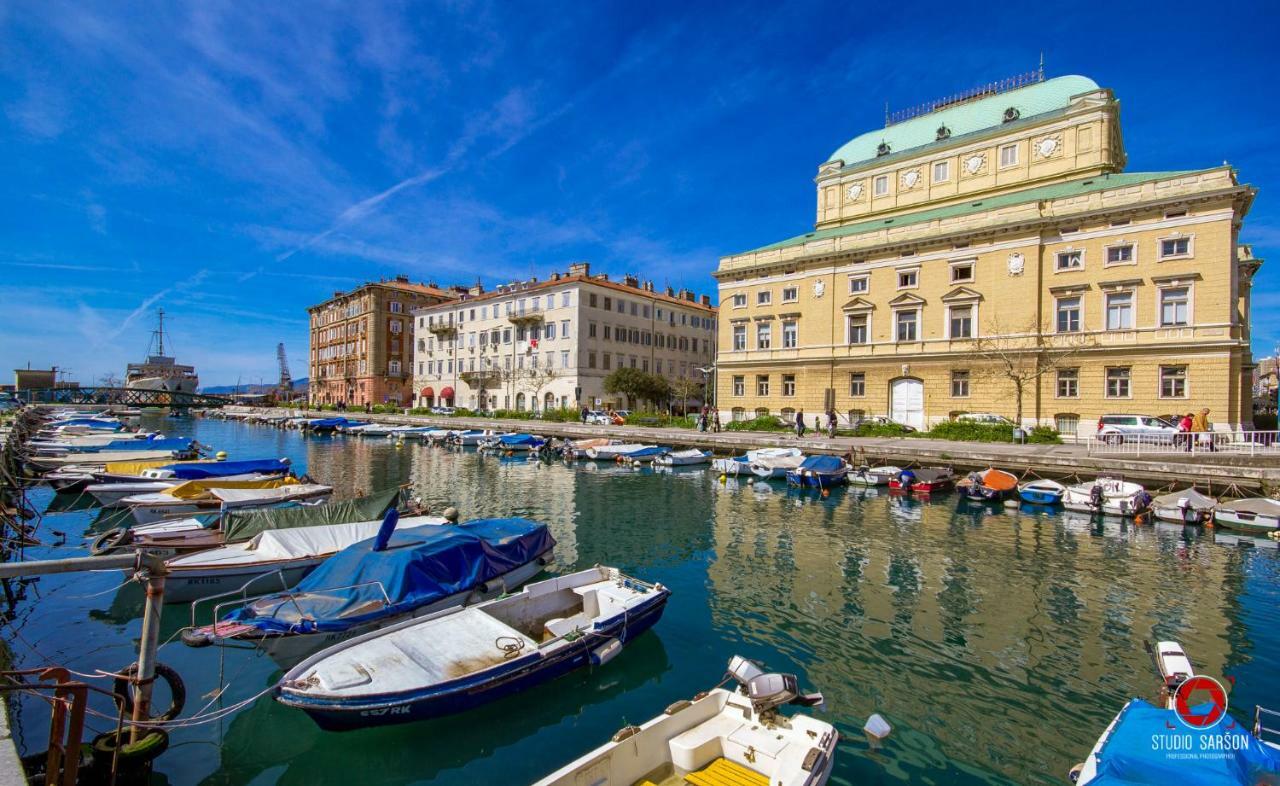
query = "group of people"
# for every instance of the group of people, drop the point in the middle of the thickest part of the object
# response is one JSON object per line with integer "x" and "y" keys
{"x": 832, "y": 422}
{"x": 709, "y": 420}
{"x": 1194, "y": 429}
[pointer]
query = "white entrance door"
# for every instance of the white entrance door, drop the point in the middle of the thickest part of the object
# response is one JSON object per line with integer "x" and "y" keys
{"x": 906, "y": 402}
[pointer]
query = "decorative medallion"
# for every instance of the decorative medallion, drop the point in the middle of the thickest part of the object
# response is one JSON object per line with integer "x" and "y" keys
{"x": 910, "y": 178}
{"x": 855, "y": 192}
{"x": 1017, "y": 263}
{"x": 1048, "y": 146}
{"x": 819, "y": 287}
{"x": 974, "y": 163}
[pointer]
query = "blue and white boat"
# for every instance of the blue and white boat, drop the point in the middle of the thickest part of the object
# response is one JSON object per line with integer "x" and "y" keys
{"x": 683, "y": 458}
{"x": 381, "y": 581}
{"x": 519, "y": 442}
{"x": 738, "y": 465}
{"x": 454, "y": 660}
{"x": 644, "y": 454}
{"x": 175, "y": 444}
{"x": 469, "y": 437}
{"x": 1042, "y": 492}
{"x": 819, "y": 472}
{"x": 330, "y": 425}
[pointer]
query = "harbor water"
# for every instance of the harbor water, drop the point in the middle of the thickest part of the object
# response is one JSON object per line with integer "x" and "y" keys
{"x": 998, "y": 643}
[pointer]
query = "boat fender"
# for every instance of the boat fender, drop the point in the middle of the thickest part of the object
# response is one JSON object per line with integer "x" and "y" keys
{"x": 177, "y": 689}
{"x": 110, "y": 540}
{"x": 194, "y": 637}
{"x": 605, "y": 652}
{"x": 675, "y": 707}
{"x": 625, "y": 733}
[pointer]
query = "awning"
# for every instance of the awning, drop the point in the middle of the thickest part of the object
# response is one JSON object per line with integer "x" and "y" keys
{"x": 427, "y": 393}
{"x": 446, "y": 393}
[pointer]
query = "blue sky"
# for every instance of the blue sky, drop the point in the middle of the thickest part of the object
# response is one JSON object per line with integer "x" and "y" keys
{"x": 236, "y": 162}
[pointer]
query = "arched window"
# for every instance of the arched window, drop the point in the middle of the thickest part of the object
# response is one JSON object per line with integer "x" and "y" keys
{"x": 519, "y": 402}
{"x": 762, "y": 412}
{"x": 738, "y": 414}
{"x": 856, "y": 416}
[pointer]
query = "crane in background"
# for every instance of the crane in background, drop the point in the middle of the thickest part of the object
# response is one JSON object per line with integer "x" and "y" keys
{"x": 285, "y": 388}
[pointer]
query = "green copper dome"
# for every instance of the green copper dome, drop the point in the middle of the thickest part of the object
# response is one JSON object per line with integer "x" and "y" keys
{"x": 967, "y": 118}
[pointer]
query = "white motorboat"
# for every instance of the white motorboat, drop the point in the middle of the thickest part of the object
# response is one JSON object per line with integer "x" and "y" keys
{"x": 612, "y": 452}
{"x": 1187, "y": 506}
{"x": 370, "y": 430}
{"x": 152, "y": 481}
{"x": 472, "y": 437}
{"x": 683, "y": 458}
{"x": 1112, "y": 496}
{"x": 874, "y": 476}
{"x": 97, "y": 460}
{"x": 776, "y": 466}
{"x": 731, "y": 737}
{"x": 273, "y": 560}
{"x": 1260, "y": 516}
{"x": 147, "y": 508}
{"x": 741, "y": 464}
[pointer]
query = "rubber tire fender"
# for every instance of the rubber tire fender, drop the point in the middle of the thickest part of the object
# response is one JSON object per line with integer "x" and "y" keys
{"x": 110, "y": 540}
{"x": 124, "y": 698}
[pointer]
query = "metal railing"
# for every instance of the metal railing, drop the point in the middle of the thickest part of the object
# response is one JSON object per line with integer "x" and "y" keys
{"x": 1209, "y": 443}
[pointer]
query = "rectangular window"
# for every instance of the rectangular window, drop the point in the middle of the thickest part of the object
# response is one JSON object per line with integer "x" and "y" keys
{"x": 739, "y": 386}
{"x": 764, "y": 335}
{"x": 880, "y": 185}
{"x": 764, "y": 297}
{"x": 906, "y": 321}
{"x": 857, "y": 328}
{"x": 762, "y": 384}
{"x": 1118, "y": 382}
{"x": 635, "y": 308}
{"x": 1173, "y": 381}
{"x": 739, "y": 337}
{"x": 790, "y": 294}
{"x": 564, "y": 359}
{"x": 959, "y": 384}
{"x": 961, "y": 322}
{"x": 1070, "y": 260}
{"x": 1175, "y": 247}
{"x": 740, "y": 300}
{"x": 564, "y": 328}
{"x": 788, "y": 384}
{"x": 941, "y": 171}
{"x": 857, "y": 384}
{"x": 608, "y": 303}
{"x": 857, "y": 284}
{"x": 395, "y": 326}
{"x": 591, "y": 330}
{"x": 608, "y": 332}
{"x": 591, "y": 360}
{"x": 396, "y": 307}
{"x": 506, "y": 335}
{"x": 1008, "y": 155}
{"x": 908, "y": 278}
{"x": 622, "y": 306}
{"x": 591, "y": 299}
{"x": 551, "y": 331}
{"x": 961, "y": 272}
{"x": 1068, "y": 315}
{"x": 564, "y": 299}
{"x": 1120, "y": 311}
{"x": 393, "y": 367}
{"x": 1174, "y": 311}
{"x": 790, "y": 335}
{"x": 1120, "y": 255}
{"x": 1068, "y": 383}
{"x": 607, "y": 358}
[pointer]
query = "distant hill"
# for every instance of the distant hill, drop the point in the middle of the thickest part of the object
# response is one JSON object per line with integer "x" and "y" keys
{"x": 299, "y": 386}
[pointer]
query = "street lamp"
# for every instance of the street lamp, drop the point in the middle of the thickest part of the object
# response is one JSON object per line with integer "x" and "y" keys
{"x": 709, "y": 399}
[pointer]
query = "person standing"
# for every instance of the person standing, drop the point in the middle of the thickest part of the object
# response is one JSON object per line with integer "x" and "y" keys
{"x": 1200, "y": 428}
{"x": 585, "y": 412}
{"x": 831, "y": 424}
{"x": 1184, "y": 431}
{"x": 715, "y": 420}
{"x": 799, "y": 423}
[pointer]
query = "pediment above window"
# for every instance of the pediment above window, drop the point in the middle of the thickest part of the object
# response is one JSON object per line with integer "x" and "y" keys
{"x": 962, "y": 295}
{"x": 858, "y": 304}
{"x": 907, "y": 299}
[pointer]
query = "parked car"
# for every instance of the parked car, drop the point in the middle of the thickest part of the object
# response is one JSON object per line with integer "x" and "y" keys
{"x": 597, "y": 417}
{"x": 1147, "y": 429}
{"x": 442, "y": 410}
{"x": 880, "y": 420}
{"x": 989, "y": 418}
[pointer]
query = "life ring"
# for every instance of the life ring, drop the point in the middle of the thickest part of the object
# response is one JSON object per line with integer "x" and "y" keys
{"x": 178, "y": 690}
{"x": 110, "y": 540}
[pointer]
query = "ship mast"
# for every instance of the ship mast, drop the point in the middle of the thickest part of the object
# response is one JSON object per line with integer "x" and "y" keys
{"x": 160, "y": 332}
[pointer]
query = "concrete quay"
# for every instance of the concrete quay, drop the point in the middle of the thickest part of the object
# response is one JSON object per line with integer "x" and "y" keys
{"x": 1216, "y": 474}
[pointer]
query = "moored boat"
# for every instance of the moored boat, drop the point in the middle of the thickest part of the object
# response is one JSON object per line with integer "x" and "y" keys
{"x": 1042, "y": 492}
{"x": 819, "y": 472}
{"x": 722, "y": 736}
{"x": 154, "y": 481}
{"x": 469, "y": 437}
{"x": 378, "y": 582}
{"x": 873, "y": 476}
{"x": 612, "y": 452}
{"x": 454, "y": 660}
{"x": 1187, "y": 506}
{"x": 683, "y": 458}
{"x": 742, "y": 464}
{"x": 776, "y": 466}
{"x": 925, "y": 480}
{"x": 513, "y": 442}
{"x": 1259, "y": 516}
{"x": 197, "y": 496}
{"x": 1111, "y": 496}
{"x": 644, "y": 454}
{"x": 991, "y": 485}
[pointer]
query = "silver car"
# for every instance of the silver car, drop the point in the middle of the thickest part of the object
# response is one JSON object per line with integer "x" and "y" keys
{"x": 1144, "y": 429}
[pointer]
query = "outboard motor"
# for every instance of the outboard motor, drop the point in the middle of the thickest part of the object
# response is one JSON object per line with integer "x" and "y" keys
{"x": 1096, "y": 496}
{"x": 769, "y": 691}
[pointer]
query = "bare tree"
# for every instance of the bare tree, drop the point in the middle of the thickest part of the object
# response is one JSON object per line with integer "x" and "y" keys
{"x": 685, "y": 388}
{"x": 1023, "y": 357}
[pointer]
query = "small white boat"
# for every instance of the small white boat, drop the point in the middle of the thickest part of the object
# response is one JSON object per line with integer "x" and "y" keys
{"x": 1174, "y": 666}
{"x": 1111, "y": 496}
{"x": 370, "y": 430}
{"x": 152, "y": 481}
{"x": 1187, "y": 506}
{"x": 472, "y": 437}
{"x": 742, "y": 464}
{"x": 874, "y": 476}
{"x": 147, "y": 508}
{"x": 1042, "y": 492}
{"x": 683, "y": 458}
{"x": 776, "y": 466}
{"x": 1260, "y": 516}
{"x": 273, "y": 560}
{"x": 731, "y": 737}
{"x": 612, "y": 452}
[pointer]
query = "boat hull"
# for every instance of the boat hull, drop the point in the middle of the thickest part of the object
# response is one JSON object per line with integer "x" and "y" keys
{"x": 423, "y": 704}
{"x": 1040, "y": 497}
{"x": 182, "y": 586}
{"x": 817, "y": 480}
{"x": 1255, "y": 524}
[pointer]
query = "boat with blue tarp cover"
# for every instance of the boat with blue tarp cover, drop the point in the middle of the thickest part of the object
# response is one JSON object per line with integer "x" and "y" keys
{"x": 179, "y": 444}
{"x": 819, "y": 472}
{"x": 1146, "y": 744}
{"x": 1042, "y": 492}
{"x": 461, "y": 658}
{"x": 224, "y": 468}
{"x": 644, "y": 454}
{"x": 514, "y": 442}
{"x": 366, "y": 587}
{"x": 327, "y": 425}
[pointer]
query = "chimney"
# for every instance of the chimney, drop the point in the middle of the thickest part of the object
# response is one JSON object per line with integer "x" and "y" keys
{"x": 402, "y": 279}
{"x": 631, "y": 281}
{"x": 705, "y": 300}
{"x": 670, "y": 292}
{"x": 580, "y": 269}
{"x": 477, "y": 289}
{"x": 555, "y": 276}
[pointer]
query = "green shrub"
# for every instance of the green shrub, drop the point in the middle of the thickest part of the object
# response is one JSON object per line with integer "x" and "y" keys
{"x": 662, "y": 420}
{"x": 562, "y": 415}
{"x": 1047, "y": 435}
{"x": 761, "y": 423}
{"x": 385, "y": 409}
{"x": 967, "y": 431}
{"x": 879, "y": 430}
{"x": 420, "y": 411}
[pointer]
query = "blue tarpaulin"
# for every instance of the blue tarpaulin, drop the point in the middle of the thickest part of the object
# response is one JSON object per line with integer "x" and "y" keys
{"x": 646, "y": 452}
{"x": 418, "y": 567}
{"x": 222, "y": 469}
{"x": 513, "y": 440}
{"x": 1150, "y": 745}
{"x": 823, "y": 465}
{"x": 107, "y": 425}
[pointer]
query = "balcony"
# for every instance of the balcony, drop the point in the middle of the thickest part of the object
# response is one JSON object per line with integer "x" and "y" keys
{"x": 526, "y": 316}
{"x": 481, "y": 378}
{"x": 443, "y": 330}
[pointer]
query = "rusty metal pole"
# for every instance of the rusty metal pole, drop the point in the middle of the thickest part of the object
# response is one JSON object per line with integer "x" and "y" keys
{"x": 147, "y": 651}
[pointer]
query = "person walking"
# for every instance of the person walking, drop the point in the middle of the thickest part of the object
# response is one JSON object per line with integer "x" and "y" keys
{"x": 799, "y": 424}
{"x": 1200, "y": 428}
{"x": 585, "y": 413}
{"x": 1184, "y": 431}
{"x": 831, "y": 424}
{"x": 715, "y": 420}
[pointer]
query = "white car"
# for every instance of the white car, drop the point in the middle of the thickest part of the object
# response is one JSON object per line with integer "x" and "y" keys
{"x": 1145, "y": 429}
{"x": 442, "y": 410}
{"x": 984, "y": 417}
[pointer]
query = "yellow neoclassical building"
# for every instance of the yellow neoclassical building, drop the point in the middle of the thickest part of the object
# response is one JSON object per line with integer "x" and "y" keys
{"x": 988, "y": 244}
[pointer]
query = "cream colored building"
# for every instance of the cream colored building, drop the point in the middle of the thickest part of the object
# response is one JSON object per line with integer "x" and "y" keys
{"x": 534, "y": 345}
{"x": 989, "y": 237}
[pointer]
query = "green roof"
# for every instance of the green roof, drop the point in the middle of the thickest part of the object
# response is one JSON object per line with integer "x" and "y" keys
{"x": 967, "y": 118}
{"x": 1054, "y": 191}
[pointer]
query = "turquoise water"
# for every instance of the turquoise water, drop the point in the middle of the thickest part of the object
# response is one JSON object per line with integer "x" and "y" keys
{"x": 998, "y": 643}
